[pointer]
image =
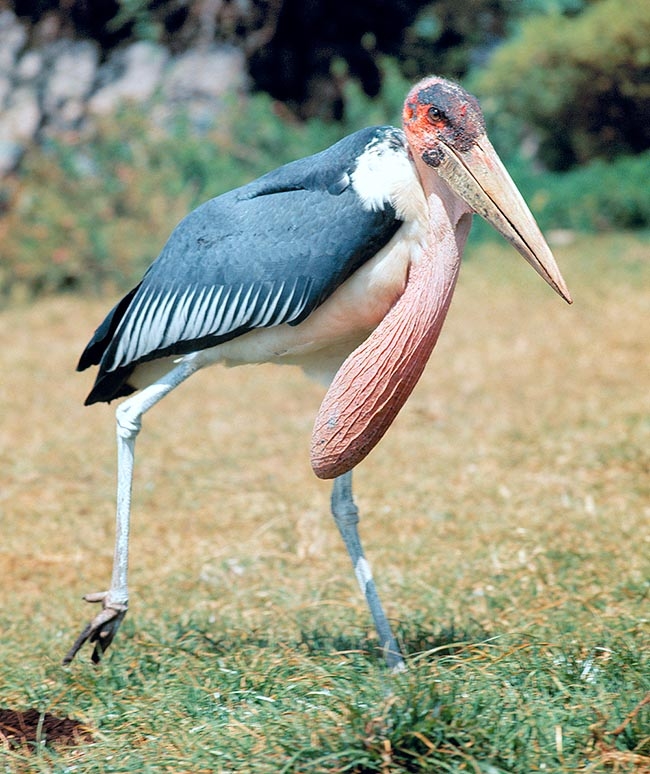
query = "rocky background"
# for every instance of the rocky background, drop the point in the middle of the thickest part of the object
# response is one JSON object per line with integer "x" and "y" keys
{"x": 58, "y": 86}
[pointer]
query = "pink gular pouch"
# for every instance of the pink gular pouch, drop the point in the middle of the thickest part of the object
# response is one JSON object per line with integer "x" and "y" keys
{"x": 376, "y": 380}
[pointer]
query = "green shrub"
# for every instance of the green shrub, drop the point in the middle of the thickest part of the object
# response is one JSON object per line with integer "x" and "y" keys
{"x": 581, "y": 82}
{"x": 95, "y": 212}
{"x": 597, "y": 197}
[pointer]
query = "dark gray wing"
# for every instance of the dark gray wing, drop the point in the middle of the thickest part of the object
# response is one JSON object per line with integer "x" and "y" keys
{"x": 258, "y": 256}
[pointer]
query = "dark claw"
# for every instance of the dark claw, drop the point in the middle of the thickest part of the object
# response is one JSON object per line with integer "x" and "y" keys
{"x": 101, "y": 630}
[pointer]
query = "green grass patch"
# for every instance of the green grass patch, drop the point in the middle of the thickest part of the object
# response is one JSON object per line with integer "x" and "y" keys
{"x": 177, "y": 699}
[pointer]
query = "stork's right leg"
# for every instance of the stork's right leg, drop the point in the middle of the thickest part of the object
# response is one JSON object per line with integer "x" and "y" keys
{"x": 102, "y": 629}
{"x": 346, "y": 515}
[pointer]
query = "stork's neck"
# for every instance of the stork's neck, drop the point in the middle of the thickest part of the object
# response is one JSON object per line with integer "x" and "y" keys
{"x": 449, "y": 219}
{"x": 375, "y": 381}
{"x": 447, "y": 212}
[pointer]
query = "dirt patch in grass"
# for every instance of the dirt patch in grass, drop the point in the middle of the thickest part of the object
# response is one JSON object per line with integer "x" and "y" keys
{"x": 19, "y": 727}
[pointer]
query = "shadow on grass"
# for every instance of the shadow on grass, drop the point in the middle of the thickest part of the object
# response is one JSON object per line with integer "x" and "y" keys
{"x": 415, "y": 640}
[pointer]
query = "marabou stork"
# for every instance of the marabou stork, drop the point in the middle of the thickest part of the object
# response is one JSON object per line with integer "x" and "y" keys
{"x": 343, "y": 263}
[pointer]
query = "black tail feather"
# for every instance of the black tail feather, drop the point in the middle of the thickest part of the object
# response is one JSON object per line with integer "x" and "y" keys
{"x": 102, "y": 337}
{"x": 110, "y": 385}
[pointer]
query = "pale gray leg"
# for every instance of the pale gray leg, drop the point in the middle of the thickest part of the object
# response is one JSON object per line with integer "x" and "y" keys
{"x": 102, "y": 629}
{"x": 346, "y": 515}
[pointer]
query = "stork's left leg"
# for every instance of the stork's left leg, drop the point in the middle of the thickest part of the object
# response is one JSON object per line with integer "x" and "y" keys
{"x": 346, "y": 515}
{"x": 102, "y": 629}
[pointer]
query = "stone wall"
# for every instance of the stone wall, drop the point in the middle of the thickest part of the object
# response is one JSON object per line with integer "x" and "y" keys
{"x": 60, "y": 86}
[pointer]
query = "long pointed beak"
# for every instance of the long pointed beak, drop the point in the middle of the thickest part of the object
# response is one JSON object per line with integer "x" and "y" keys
{"x": 480, "y": 179}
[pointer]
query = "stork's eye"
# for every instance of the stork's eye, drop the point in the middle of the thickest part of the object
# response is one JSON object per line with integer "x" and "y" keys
{"x": 435, "y": 115}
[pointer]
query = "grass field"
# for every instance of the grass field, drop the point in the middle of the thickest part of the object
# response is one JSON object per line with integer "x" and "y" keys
{"x": 506, "y": 515}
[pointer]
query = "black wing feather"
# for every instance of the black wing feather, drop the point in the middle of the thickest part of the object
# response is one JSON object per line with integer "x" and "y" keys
{"x": 264, "y": 254}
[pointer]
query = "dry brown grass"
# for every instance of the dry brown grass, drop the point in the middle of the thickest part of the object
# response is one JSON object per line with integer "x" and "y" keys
{"x": 527, "y": 438}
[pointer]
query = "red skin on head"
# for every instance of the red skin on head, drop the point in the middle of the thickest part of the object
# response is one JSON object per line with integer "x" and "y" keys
{"x": 435, "y": 111}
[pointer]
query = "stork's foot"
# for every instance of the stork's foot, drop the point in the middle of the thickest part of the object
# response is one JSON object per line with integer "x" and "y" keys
{"x": 395, "y": 662}
{"x": 101, "y": 629}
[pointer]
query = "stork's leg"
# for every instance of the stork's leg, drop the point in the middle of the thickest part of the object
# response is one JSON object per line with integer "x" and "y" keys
{"x": 346, "y": 515}
{"x": 102, "y": 629}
